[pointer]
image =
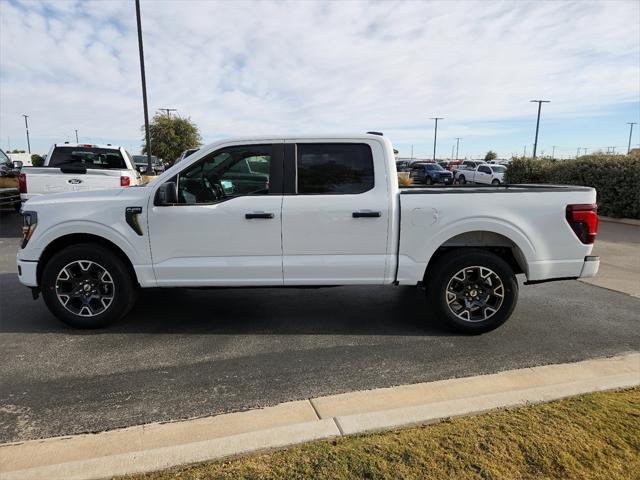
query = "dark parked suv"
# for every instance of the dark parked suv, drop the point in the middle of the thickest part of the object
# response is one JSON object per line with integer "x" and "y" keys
{"x": 430, "y": 173}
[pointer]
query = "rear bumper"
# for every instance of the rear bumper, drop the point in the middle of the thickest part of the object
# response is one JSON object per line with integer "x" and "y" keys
{"x": 590, "y": 266}
{"x": 567, "y": 270}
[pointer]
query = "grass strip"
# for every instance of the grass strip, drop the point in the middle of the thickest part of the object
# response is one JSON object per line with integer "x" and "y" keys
{"x": 593, "y": 436}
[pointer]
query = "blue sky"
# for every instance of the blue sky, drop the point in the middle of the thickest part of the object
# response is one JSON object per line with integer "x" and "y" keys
{"x": 238, "y": 68}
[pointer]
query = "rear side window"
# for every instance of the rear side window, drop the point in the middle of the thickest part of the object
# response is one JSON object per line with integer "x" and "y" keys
{"x": 89, "y": 157}
{"x": 334, "y": 168}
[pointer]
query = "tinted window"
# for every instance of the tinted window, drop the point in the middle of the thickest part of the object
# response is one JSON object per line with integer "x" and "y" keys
{"x": 334, "y": 168}
{"x": 89, "y": 157}
{"x": 484, "y": 169}
{"x": 227, "y": 173}
{"x": 433, "y": 166}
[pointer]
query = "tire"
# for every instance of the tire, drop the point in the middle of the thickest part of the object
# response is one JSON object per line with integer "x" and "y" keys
{"x": 495, "y": 182}
{"x": 100, "y": 287}
{"x": 453, "y": 277}
{"x": 462, "y": 180}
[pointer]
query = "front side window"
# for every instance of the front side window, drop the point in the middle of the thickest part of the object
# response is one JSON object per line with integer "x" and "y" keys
{"x": 332, "y": 168}
{"x": 227, "y": 173}
{"x": 484, "y": 169}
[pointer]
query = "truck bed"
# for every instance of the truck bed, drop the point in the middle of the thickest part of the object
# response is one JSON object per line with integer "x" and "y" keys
{"x": 531, "y": 223}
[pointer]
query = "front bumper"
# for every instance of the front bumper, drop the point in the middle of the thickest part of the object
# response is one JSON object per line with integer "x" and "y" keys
{"x": 27, "y": 272}
{"x": 590, "y": 266}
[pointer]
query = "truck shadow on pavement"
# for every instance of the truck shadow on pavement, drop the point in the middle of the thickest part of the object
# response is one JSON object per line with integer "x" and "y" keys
{"x": 268, "y": 311}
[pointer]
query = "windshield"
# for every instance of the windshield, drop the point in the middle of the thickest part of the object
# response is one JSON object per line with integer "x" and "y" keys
{"x": 499, "y": 168}
{"x": 433, "y": 166}
{"x": 89, "y": 157}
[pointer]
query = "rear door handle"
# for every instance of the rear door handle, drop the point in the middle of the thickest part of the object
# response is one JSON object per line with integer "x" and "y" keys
{"x": 367, "y": 214}
{"x": 252, "y": 215}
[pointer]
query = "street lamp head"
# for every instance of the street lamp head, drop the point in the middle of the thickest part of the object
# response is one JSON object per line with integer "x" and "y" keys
{"x": 540, "y": 101}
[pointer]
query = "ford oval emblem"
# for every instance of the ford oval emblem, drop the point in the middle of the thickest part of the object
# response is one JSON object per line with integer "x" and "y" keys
{"x": 74, "y": 181}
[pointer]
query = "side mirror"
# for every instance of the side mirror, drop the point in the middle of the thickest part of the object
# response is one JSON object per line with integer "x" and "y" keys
{"x": 167, "y": 194}
{"x": 17, "y": 164}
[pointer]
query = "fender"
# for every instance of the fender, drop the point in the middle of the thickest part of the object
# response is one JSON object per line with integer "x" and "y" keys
{"x": 137, "y": 256}
{"x": 414, "y": 263}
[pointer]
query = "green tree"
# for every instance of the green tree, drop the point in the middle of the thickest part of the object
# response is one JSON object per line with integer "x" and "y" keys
{"x": 491, "y": 155}
{"x": 17, "y": 151}
{"x": 170, "y": 136}
{"x": 37, "y": 160}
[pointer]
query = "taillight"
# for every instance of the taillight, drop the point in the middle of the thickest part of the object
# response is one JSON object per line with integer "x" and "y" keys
{"x": 22, "y": 182}
{"x": 583, "y": 219}
{"x": 125, "y": 181}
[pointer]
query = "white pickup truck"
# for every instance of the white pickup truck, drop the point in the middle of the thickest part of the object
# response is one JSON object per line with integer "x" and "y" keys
{"x": 79, "y": 167}
{"x": 488, "y": 174}
{"x": 304, "y": 211}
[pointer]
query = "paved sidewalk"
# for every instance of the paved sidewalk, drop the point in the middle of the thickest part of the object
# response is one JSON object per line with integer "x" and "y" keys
{"x": 618, "y": 245}
{"x": 162, "y": 445}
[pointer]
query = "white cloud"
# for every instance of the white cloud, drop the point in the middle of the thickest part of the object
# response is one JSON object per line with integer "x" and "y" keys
{"x": 244, "y": 67}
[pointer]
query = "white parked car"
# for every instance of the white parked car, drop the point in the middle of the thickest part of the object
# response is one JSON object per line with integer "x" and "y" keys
{"x": 304, "y": 211}
{"x": 79, "y": 167}
{"x": 484, "y": 173}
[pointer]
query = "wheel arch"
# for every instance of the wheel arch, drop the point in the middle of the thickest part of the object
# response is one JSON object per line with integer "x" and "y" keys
{"x": 498, "y": 243}
{"x": 71, "y": 239}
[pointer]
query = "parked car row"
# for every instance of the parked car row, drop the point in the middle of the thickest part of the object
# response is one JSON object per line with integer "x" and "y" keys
{"x": 448, "y": 172}
{"x": 141, "y": 163}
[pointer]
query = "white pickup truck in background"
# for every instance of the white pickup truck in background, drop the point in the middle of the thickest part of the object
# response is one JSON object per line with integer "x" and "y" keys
{"x": 79, "y": 167}
{"x": 485, "y": 173}
{"x": 304, "y": 211}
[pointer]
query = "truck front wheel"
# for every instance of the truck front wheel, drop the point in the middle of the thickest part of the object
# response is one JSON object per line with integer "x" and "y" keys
{"x": 88, "y": 286}
{"x": 473, "y": 291}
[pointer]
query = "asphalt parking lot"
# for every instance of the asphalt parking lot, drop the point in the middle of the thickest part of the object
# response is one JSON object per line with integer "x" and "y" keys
{"x": 189, "y": 353}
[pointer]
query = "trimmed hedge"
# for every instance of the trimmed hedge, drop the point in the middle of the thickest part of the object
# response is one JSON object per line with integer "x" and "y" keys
{"x": 615, "y": 177}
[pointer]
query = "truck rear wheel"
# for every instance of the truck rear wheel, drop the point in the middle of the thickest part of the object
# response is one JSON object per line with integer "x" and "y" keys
{"x": 88, "y": 286}
{"x": 472, "y": 291}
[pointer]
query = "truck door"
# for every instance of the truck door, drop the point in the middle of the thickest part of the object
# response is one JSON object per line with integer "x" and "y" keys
{"x": 335, "y": 213}
{"x": 483, "y": 174}
{"x": 225, "y": 228}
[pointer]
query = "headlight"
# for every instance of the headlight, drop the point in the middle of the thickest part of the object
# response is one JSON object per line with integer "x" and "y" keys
{"x": 29, "y": 223}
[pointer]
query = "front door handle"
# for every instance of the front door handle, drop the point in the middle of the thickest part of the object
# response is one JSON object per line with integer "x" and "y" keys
{"x": 367, "y": 214}
{"x": 252, "y": 215}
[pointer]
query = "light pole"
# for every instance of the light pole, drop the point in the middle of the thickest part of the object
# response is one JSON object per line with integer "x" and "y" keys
{"x": 553, "y": 152}
{"x": 535, "y": 143}
{"x": 457, "y": 146}
{"x": 26, "y": 125}
{"x": 77, "y": 136}
{"x": 631, "y": 124}
{"x": 435, "y": 135}
{"x": 144, "y": 89}
{"x": 524, "y": 152}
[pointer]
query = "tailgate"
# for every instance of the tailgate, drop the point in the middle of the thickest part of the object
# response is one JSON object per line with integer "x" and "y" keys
{"x": 52, "y": 180}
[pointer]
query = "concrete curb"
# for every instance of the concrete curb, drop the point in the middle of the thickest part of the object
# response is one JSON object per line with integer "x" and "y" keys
{"x": 624, "y": 221}
{"x": 157, "y": 446}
